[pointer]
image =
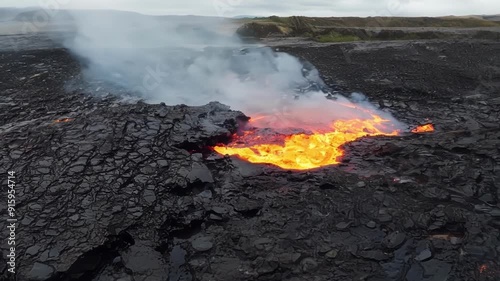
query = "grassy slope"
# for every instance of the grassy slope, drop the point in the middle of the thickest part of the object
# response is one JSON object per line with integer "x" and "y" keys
{"x": 464, "y": 22}
{"x": 342, "y": 29}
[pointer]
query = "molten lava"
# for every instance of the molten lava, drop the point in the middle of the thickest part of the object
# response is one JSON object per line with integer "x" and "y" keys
{"x": 427, "y": 128}
{"x": 64, "y": 120}
{"x": 304, "y": 151}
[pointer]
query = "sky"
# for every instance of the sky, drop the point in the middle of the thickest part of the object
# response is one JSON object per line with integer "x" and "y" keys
{"x": 231, "y": 8}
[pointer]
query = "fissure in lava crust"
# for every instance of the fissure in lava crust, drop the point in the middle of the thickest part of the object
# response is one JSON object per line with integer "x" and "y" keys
{"x": 298, "y": 149}
{"x": 304, "y": 150}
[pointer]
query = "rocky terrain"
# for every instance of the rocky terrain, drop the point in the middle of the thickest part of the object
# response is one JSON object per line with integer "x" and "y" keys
{"x": 352, "y": 29}
{"x": 110, "y": 190}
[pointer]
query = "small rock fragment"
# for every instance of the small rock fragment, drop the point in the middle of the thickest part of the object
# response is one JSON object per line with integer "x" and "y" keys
{"x": 263, "y": 243}
{"x": 394, "y": 240}
{"x": 361, "y": 184}
{"x": 332, "y": 254}
{"x": 343, "y": 225}
{"x": 33, "y": 250}
{"x": 202, "y": 244}
{"x": 308, "y": 264}
{"x": 424, "y": 255}
{"x": 40, "y": 272}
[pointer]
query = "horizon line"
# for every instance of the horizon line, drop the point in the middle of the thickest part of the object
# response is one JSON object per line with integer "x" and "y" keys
{"x": 248, "y": 16}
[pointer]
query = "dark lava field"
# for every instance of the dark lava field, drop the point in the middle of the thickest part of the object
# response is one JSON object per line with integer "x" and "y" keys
{"x": 109, "y": 190}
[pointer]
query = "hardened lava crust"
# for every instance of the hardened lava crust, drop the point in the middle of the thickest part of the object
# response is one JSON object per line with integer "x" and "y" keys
{"x": 115, "y": 190}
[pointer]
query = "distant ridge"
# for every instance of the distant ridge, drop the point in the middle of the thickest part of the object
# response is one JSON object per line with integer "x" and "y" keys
{"x": 7, "y": 14}
{"x": 22, "y": 14}
{"x": 245, "y": 17}
{"x": 492, "y": 17}
{"x": 28, "y": 13}
{"x": 483, "y": 17}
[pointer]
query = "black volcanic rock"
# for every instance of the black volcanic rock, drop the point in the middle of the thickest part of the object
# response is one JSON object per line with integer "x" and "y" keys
{"x": 110, "y": 190}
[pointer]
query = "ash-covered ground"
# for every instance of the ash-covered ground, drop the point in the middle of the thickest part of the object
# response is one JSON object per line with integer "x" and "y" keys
{"x": 108, "y": 190}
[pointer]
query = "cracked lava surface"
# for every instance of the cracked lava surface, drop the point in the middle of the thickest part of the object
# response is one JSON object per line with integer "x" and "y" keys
{"x": 125, "y": 191}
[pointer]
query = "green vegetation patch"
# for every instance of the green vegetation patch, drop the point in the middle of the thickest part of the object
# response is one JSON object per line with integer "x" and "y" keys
{"x": 336, "y": 37}
{"x": 349, "y": 29}
{"x": 315, "y": 22}
{"x": 262, "y": 30}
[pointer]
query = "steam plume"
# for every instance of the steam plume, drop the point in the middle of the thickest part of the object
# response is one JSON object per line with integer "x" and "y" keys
{"x": 187, "y": 60}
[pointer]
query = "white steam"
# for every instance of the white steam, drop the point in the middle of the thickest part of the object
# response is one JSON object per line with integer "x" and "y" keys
{"x": 188, "y": 60}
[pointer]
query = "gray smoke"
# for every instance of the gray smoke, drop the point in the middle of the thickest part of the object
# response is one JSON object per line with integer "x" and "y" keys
{"x": 193, "y": 61}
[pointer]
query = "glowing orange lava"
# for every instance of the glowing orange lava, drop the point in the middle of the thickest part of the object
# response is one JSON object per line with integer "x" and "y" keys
{"x": 304, "y": 151}
{"x": 427, "y": 128}
{"x": 64, "y": 120}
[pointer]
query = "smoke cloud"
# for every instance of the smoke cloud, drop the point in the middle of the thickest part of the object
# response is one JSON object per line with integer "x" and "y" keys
{"x": 193, "y": 61}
